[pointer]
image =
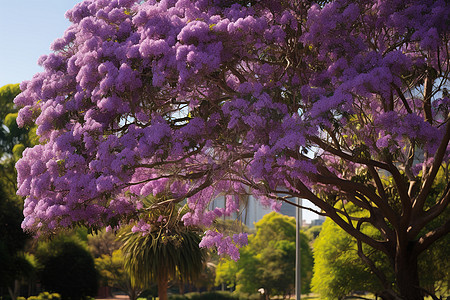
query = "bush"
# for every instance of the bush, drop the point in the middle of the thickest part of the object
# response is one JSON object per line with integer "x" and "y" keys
{"x": 43, "y": 296}
{"x": 70, "y": 272}
{"x": 217, "y": 295}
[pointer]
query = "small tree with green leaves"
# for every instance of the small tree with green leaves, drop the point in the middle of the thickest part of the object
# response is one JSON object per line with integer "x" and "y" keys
{"x": 268, "y": 261}
{"x": 68, "y": 268}
{"x": 338, "y": 270}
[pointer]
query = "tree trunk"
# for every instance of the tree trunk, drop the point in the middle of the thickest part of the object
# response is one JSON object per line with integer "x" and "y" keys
{"x": 13, "y": 293}
{"x": 407, "y": 275}
{"x": 163, "y": 279}
{"x": 132, "y": 294}
{"x": 181, "y": 286}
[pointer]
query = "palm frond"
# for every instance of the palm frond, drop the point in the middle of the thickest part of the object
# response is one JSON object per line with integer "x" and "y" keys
{"x": 169, "y": 247}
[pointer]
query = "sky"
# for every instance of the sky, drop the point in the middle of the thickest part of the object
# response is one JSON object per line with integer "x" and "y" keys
{"x": 27, "y": 29}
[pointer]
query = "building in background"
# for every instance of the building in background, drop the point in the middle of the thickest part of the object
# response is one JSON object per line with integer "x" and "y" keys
{"x": 252, "y": 211}
{"x": 317, "y": 222}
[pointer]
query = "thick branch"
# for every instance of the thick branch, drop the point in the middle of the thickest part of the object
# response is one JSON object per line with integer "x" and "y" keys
{"x": 432, "y": 236}
{"x": 378, "y": 183}
{"x": 432, "y": 213}
{"x": 402, "y": 192}
{"x": 354, "y": 186}
{"x": 333, "y": 214}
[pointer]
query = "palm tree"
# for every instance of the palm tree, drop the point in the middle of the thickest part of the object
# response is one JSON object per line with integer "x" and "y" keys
{"x": 167, "y": 250}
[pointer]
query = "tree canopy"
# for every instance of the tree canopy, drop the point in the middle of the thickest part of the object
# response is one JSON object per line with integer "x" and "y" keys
{"x": 13, "y": 140}
{"x": 196, "y": 99}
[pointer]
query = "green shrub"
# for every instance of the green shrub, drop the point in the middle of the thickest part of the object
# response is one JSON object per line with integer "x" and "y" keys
{"x": 69, "y": 271}
{"x": 191, "y": 294}
{"x": 44, "y": 296}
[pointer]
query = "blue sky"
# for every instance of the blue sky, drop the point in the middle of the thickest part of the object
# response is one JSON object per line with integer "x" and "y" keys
{"x": 27, "y": 29}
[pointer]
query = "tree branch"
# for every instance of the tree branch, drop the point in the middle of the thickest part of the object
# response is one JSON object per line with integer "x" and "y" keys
{"x": 366, "y": 161}
{"x": 403, "y": 193}
{"x": 432, "y": 213}
{"x": 349, "y": 186}
{"x": 378, "y": 183}
{"x": 419, "y": 202}
{"x": 333, "y": 214}
{"x": 432, "y": 236}
{"x": 402, "y": 97}
{"x": 428, "y": 90}
{"x": 369, "y": 262}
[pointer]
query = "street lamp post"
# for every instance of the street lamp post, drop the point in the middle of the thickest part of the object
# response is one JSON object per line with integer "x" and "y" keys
{"x": 298, "y": 218}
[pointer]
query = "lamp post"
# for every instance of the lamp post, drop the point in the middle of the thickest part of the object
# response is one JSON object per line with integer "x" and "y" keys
{"x": 298, "y": 218}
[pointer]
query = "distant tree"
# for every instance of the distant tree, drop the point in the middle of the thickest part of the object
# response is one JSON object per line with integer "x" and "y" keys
{"x": 113, "y": 273}
{"x": 68, "y": 268}
{"x": 269, "y": 259}
{"x": 226, "y": 272}
{"x": 275, "y": 237}
{"x": 103, "y": 243}
{"x": 313, "y": 232}
{"x": 7, "y": 94}
{"x": 276, "y": 268}
{"x": 13, "y": 140}
{"x": 338, "y": 270}
{"x": 7, "y": 110}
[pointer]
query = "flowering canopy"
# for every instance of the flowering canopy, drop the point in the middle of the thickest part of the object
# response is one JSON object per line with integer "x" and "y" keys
{"x": 194, "y": 99}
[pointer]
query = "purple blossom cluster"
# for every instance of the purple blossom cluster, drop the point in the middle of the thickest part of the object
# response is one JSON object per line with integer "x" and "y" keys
{"x": 224, "y": 244}
{"x": 201, "y": 99}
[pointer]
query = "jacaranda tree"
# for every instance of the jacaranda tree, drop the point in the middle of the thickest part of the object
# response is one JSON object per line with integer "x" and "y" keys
{"x": 330, "y": 102}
